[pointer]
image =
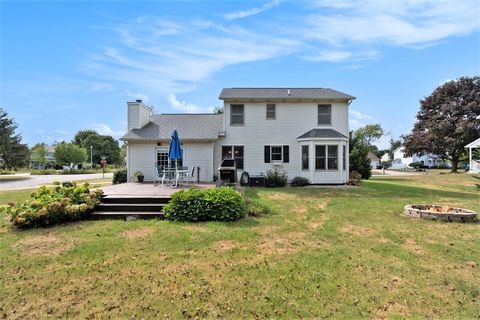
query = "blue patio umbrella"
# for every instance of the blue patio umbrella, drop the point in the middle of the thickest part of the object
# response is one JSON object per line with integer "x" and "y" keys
{"x": 175, "y": 150}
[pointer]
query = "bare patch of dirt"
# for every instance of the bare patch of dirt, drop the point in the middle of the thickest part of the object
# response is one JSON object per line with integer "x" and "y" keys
{"x": 412, "y": 245}
{"x": 300, "y": 209}
{"x": 280, "y": 196}
{"x": 356, "y": 230}
{"x": 314, "y": 225}
{"x": 44, "y": 245}
{"x": 137, "y": 233}
{"x": 224, "y": 245}
{"x": 194, "y": 228}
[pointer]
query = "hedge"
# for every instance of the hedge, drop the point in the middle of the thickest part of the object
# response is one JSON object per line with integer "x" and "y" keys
{"x": 120, "y": 176}
{"x": 218, "y": 204}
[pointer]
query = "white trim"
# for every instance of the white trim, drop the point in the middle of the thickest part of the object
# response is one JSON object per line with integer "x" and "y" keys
{"x": 322, "y": 139}
{"x": 474, "y": 144}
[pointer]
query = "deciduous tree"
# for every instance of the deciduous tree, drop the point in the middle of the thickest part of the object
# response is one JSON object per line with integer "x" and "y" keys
{"x": 69, "y": 154}
{"x": 447, "y": 121}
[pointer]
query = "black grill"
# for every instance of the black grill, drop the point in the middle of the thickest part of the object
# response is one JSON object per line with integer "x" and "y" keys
{"x": 228, "y": 171}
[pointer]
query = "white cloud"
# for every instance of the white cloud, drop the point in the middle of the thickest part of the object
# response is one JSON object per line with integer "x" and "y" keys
{"x": 354, "y": 124}
{"x": 395, "y": 22}
{"x": 359, "y": 115}
{"x": 250, "y": 12}
{"x": 330, "y": 56}
{"x": 104, "y": 129}
{"x": 60, "y": 131}
{"x": 158, "y": 56}
{"x": 136, "y": 95}
{"x": 183, "y": 106}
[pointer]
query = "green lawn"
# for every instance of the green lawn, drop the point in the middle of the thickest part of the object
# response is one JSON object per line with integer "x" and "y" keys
{"x": 322, "y": 252}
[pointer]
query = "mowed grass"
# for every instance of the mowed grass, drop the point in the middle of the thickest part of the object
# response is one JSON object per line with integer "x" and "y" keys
{"x": 323, "y": 252}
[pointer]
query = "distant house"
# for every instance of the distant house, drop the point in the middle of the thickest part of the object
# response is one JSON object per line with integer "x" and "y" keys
{"x": 374, "y": 160}
{"x": 386, "y": 157}
{"x": 401, "y": 161}
{"x": 474, "y": 163}
{"x": 303, "y": 131}
{"x": 50, "y": 157}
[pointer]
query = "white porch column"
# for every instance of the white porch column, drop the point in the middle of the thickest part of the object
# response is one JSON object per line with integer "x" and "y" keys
{"x": 470, "y": 158}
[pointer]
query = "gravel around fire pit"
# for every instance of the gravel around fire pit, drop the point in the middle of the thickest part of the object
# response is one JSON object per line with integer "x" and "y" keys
{"x": 444, "y": 213}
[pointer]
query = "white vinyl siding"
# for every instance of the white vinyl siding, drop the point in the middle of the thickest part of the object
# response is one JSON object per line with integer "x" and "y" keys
{"x": 292, "y": 120}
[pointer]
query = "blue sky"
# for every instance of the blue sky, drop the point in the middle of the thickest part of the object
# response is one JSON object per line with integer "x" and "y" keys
{"x": 66, "y": 66}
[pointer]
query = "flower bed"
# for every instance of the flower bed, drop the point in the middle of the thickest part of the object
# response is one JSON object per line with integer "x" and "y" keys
{"x": 445, "y": 213}
{"x": 52, "y": 205}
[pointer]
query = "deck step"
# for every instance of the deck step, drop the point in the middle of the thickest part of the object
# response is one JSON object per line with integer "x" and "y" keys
{"x": 126, "y": 215}
{"x": 129, "y": 207}
{"x": 136, "y": 200}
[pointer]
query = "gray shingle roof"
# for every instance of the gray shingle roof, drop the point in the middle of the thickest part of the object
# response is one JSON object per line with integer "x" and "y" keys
{"x": 189, "y": 127}
{"x": 283, "y": 93}
{"x": 322, "y": 133}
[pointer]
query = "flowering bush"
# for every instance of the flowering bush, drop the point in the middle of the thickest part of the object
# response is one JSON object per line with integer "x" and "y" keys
{"x": 51, "y": 205}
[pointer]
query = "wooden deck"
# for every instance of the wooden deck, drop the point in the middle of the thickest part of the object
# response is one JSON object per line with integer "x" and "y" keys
{"x": 136, "y": 200}
{"x": 147, "y": 189}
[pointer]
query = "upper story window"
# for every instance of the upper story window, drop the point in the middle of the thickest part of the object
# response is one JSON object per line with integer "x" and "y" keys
{"x": 237, "y": 114}
{"x": 324, "y": 114}
{"x": 271, "y": 112}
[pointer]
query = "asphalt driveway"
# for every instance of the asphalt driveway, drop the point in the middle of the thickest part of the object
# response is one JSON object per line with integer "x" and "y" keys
{"x": 36, "y": 181}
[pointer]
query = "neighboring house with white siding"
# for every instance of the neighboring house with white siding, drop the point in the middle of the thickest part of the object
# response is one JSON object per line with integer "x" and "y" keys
{"x": 401, "y": 161}
{"x": 303, "y": 131}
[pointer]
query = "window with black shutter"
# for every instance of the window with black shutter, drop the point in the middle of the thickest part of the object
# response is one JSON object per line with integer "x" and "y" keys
{"x": 276, "y": 153}
{"x": 266, "y": 154}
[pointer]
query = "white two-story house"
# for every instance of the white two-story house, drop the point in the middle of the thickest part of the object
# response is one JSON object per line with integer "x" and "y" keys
{"x": 303, "y": 131}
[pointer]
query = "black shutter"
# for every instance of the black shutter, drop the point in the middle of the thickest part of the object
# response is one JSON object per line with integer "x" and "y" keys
{"x": 286, "y": 154}
{"x": 267, "y": 154}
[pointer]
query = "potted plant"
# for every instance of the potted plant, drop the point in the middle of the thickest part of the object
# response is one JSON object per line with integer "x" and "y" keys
{"x": 139, "y": 175}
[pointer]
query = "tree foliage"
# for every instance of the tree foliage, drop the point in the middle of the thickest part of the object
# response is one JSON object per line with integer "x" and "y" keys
{"x": 102, "y": 146}
{"x": 369, "y": 134}
{"x": 13, "y": 152}
{"x": 39, "y": 153}
{"x": 69, "y": 154}
{"x": 446, "y": 121}
{"x": 359, "y": 156}
{"x": 81, "y": 135}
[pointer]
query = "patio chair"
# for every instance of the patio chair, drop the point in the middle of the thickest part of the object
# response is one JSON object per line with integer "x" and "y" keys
{"x": 157, "y": 175}
{"x": 169, "y": 175}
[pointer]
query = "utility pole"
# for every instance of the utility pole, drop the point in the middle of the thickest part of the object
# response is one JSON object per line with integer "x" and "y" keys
{"x": 91, "y": 157}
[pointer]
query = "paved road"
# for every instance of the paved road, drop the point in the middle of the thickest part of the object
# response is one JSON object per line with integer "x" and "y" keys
{"x": 35, "y": 181}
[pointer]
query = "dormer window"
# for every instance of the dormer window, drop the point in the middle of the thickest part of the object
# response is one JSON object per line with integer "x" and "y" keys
{"x": 324, "y": 114}
{"x": 270, "y": 112}
{"x": 237, "y": 114}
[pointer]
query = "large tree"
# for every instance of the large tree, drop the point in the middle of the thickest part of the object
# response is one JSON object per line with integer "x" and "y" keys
{"x": 69, "y": 154}
{"x": 369, "y": 134}
{"x": 100, "y": 146}
{"x": 81, "y": 135}
{"x": 359, "y": 156}
{"x": 13, "y": 152}
{"x": 39, "y": 153}
{"x": 447, "y": 121}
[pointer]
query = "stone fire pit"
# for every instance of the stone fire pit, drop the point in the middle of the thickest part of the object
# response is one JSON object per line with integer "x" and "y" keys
{"x": 445, "y": 213}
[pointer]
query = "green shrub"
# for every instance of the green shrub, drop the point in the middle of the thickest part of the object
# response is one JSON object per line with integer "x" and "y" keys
{"x": 120, "y": 176}
{"x": 355, "y": 178}
{"x": 276, "y": 178}
{"x": 52, "y": 205}
{"x": 5, "y": 171}
{"x": 218, "y": 204}
{"x": 300, "y": 182}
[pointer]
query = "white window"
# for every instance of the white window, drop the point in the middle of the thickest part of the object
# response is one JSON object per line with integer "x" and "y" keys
{"x": 276, "y": 153}
{"x": 270, "y": 112}
{"x": 324, "y": 114}
{"x": 326, "y": 157}
{"x": 237, "y": 114}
